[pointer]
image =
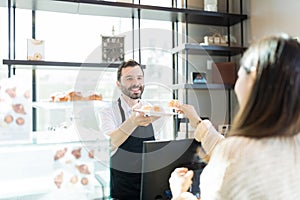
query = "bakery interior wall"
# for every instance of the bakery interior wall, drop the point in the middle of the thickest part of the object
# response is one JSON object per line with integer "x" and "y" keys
{"x": 274, "y": 16}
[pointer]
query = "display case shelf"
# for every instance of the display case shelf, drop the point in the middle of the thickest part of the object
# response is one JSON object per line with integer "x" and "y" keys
{"x": 202, "y": 86}
{"x": 47, "y": 105}
{"x": 197, "y": 49}
{"x": 129, "y": 10}
{"x": 28, "y": 171}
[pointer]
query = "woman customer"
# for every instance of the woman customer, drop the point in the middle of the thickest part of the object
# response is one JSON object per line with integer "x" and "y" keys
{"x": 260, "y": 157}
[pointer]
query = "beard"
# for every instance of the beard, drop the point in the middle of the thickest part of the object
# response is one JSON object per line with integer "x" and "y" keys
{"x": 128, "y": 91}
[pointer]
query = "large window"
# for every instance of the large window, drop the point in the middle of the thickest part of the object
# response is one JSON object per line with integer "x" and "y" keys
{"x": 77, "y": 38}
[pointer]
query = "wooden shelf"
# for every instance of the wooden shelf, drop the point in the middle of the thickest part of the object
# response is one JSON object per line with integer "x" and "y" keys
{"x": 129, "y": 10}
{"x": 197, "y": 49}
{"x": 209, "y": 86}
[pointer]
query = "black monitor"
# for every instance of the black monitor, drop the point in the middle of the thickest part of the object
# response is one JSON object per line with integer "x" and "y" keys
{"x": 160, "y": 158}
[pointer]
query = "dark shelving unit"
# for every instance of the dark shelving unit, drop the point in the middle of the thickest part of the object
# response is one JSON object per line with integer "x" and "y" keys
{"x": 182, "y": 51}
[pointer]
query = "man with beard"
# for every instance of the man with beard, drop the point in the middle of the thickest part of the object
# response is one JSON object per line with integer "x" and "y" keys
{"x": 127, "y": 131}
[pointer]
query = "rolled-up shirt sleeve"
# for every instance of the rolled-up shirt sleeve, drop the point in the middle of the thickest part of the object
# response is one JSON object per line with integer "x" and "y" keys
{"x": 208, "y": 136}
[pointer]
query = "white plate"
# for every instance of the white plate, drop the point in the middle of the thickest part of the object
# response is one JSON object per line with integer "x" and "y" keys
{"x": 153, "y": 113}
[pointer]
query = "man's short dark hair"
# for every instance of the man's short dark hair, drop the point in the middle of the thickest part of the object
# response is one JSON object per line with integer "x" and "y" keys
{"x": 129, "y": 63}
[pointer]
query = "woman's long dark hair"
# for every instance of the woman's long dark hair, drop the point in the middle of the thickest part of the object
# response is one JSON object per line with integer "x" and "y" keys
{"x": 273, "y": 107}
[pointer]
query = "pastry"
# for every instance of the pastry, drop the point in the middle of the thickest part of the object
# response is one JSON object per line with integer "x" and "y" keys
{"x": 74, "y": 179}
{"x": 20, "y": 121}
{"x": 77, "y": 153}
{"x": 75, "y": 96}
{"x": 59, "y": 179}
{"x": 157, "y": 108}
{"x": 18, "y": 108}
{"x": 84, "y": 169}
{"x": 11, "y": 92}
{"x": 174, "y": 103}
{"x": 8, "y": 119}
{"x": 60, "y": 153}
{"x": 27, "y": 94}
{"x": 95, "y": 97}
{"x": 84, "y": 181}
{"x": 92, "y": 154}
{"x": 147, "y": 107}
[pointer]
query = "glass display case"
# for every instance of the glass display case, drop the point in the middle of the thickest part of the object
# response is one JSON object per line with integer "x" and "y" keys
{"x": 53, "y": 169}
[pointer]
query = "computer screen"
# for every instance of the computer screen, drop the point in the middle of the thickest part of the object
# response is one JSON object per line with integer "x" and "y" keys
{"x": 160, "y": 158}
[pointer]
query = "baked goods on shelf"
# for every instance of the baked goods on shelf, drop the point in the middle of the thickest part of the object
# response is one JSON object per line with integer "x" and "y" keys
{"x": 94, "y": 97}
{"x": 74, "y": 96}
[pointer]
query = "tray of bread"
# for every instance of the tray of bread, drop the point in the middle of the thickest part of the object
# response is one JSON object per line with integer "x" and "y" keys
{"x": 69, "y": 99}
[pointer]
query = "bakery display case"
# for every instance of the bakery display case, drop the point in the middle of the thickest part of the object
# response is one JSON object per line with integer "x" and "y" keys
{"x": 64, "y": 161}
{"x": 54, "y": 170}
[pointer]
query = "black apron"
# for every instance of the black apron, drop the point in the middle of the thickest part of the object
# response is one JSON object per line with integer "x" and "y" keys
{"x": 126, "y": 163}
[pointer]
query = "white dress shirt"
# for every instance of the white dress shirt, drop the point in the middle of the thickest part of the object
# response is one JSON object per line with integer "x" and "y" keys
{"x": 110, "y": 118}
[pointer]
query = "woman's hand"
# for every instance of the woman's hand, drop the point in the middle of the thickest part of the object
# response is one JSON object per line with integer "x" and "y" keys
{"x": 190, "y": 113}
{"x": 180, "y": 181}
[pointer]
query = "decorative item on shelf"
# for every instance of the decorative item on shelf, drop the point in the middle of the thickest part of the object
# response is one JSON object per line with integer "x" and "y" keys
{"x": 113, "y": 48}
{"x": 224, "y": 73}
{"x": 211, "y": 5}
{"x": 198, "y": 77}
{"x": 35, "y": 49}
{"x": 215, "y": 39}
{"x": 215, "y": 36}
{"x": 199, "y": 5}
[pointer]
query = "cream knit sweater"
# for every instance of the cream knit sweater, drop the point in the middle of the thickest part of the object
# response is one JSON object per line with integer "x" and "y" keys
{"x": 241, "y": 168}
